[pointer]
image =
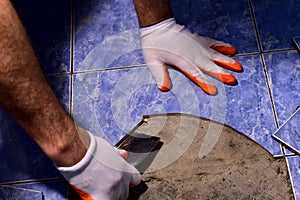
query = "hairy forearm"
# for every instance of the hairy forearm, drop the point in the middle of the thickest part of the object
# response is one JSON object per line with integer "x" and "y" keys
{"x": 26, "y": 95}
{"x": 152, "y": 11}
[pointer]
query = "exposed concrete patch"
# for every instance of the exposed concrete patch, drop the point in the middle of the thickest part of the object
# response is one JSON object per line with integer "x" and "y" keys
{"x": 235, "y": 168}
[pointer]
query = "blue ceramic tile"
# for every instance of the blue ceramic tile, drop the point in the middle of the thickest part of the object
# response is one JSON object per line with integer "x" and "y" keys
{"x": 52, "y": 190}
{"x": 48, "y": 24}
{"x": 284, "y": 76}
{"x": 61, "y": 86}
{"x": 229, "y": 21}
{"x": 294, "y": 168}
{"x": 21, "y": 159}
{"x": 8, "y": 192}
{"x": 278, "y": 22}
{"x": 289, "y": 132}
{"x": 109, "y": 30}
{"x": 248, "y": 105}
{"x": 107, "y": 34}
{"x": 111, "y": 103}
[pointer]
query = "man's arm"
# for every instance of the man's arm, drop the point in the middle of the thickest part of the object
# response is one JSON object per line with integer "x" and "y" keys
{"x": 27, "y": 97}
{"x": 152, "y": 11}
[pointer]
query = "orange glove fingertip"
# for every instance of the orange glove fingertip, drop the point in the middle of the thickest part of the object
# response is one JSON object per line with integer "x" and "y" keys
{"x": 229, "y": 50}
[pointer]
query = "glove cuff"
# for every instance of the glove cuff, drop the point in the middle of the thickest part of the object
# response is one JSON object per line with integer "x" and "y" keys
{"x": 83, "y": 163}
{"x": 152, "y": 28}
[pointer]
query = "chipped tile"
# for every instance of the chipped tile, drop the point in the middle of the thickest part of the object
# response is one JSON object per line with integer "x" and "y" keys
{"x": 283, "y": 69}
{"x": 289, "y": 133}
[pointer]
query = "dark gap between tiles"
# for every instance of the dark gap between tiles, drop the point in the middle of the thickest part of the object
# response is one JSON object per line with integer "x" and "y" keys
{"x": 263, "y": 61}
{"x": 110, "y": 69}
{"x": 292, "y": 176}
{"x": 16, "y": 183}
{"x": 72, "y": 41}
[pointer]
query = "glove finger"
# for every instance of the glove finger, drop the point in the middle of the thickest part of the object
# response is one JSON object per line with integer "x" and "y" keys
{"x": 225, "y": 61}
{"x": 82, "y": 194}
{"x": 228, "y": 79}
{"x": 209, "y": 67}
{"x": 161, "y": 75}
{"x": 198, "y": 77}
{"x": 217, "y": 45}
{"x": 236, "y": 66}
{"x": 123, "y": 153}
{"x": 224, "y": 48}
{"x": 135, "y": 179}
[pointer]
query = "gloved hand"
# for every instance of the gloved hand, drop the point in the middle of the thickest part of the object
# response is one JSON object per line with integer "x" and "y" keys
{"x": 102, "y": 173}
{"x": 169, "y": 44}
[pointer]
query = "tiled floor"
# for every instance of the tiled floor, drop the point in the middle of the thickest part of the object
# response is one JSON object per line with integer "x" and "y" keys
{"x": 90, "y": 51}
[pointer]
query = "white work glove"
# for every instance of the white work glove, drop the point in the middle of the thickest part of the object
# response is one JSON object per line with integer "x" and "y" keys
{"x": 169, "y": 44}
{"x": 102, "y": 174}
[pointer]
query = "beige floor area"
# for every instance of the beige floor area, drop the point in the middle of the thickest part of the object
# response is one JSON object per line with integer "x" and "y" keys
{"x": 201, "y": 159}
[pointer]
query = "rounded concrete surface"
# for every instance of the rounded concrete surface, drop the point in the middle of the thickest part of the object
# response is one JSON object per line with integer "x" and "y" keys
{"x": 200, "y": 159}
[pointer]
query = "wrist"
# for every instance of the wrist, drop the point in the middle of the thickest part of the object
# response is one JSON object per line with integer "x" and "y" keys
{"x": 81, "y": 164}
{"x": 164, "y": 25}
{"x": 152, "y": 12}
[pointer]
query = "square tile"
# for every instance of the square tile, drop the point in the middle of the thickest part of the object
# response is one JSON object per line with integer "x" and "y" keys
{"x": 289, "y": 132}
{"x": 9, "y": 192}
{"x": 283, "y": 70}
{"x": 21, "y": 158}
{"x": 111, "y": 103}
{"x": 48, "y": 24}
{"x": 106, "y": 35}
{"x": 229, "y": 21}
{"x": 249, "y": 109}
{"x": 294, "y": 169}
{"x": 278, "y": 22}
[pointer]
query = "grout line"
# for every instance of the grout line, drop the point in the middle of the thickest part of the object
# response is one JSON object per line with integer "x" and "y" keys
{"x": 72, "y": 42}
{"x": 110, "y": 69}
{"x": 279, "y": 50}
{"x": 16, "y": 183}
{"x": 269, "y": 90}
{"x": 104, "y": 69}
{"x": 143, "y": 65}
{"x": 291, "y": 177}
{"x": 255, "y": 26}
{"x": 59, "y": 74}
{"x": 263, "y": 62}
